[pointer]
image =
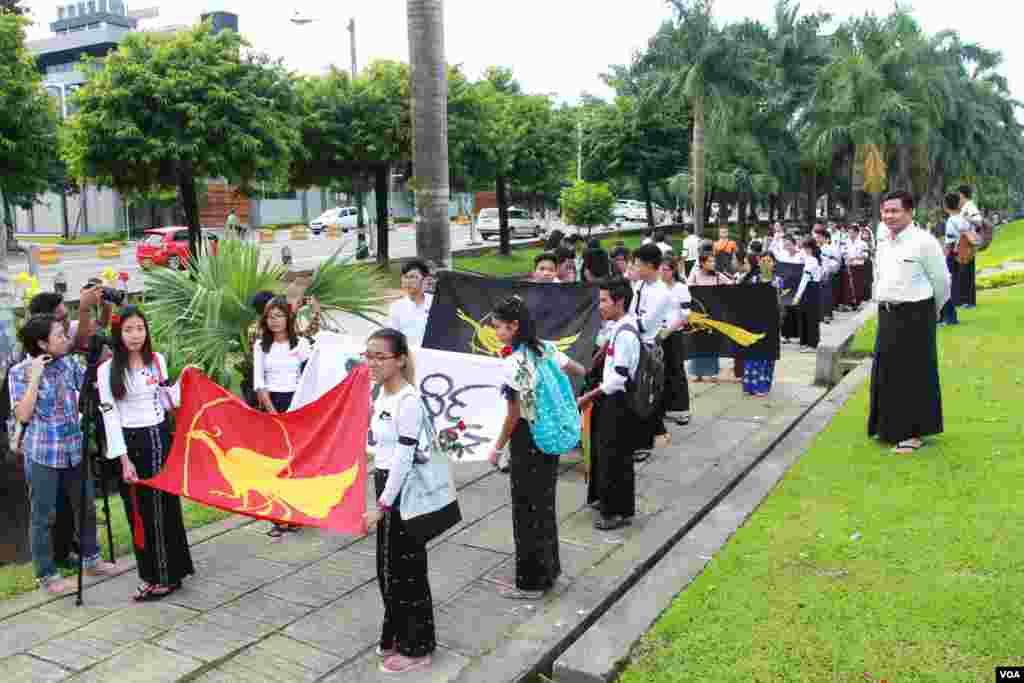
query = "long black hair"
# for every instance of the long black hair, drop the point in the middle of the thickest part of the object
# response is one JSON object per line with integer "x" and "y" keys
{"x": 514, "y": 310}
{"x": 119, "y": 361}
{"x": 267, "y": 340}
{"x": 399, "y": 344}
{"x": 596, "y": 261}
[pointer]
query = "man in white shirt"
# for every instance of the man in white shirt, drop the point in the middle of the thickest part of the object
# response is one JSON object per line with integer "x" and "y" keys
{"x": 913, "y": 285}
{"x": 956, "y": 226}
{"x": 776, "y": 243}
{"x": 691, "y": 249}
{"x": 655, "y": 309}
{"x": 409, "y": 314}
{"x": 612, "y": 487}
{"x": 968, "y": 290}
{"x": 855, "y": 254}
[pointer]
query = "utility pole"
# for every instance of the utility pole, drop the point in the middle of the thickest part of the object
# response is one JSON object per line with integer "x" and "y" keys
{"x": 579, "y": 151}
{"x": 352, "y": 44}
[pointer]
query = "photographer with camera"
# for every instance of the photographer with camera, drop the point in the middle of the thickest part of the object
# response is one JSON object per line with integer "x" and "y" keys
{"x": 44, "y": 390}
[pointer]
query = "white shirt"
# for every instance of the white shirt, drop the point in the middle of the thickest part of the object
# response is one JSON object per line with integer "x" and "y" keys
{"x": 785, "y": 257}
{"x": 396, "y": 418}
{"x": 691, "y": 245}
{"x": 140, "y": 406}
{"x": 663, "y": 247}
{"x": 830, "y": 259}
{"x": 654, "y": 307}
{"x": 912, "y": 267}
{"x": 279, "y": 370}
{"x": 623, "y": 357}
{"x": 855, "y": 250}
{"x": 410, "y": 319}
{"x": 680, "y": 293}
{"x": 971, "y": 213}
{"x": 812, "y": 273}
{"x": 956, "y": 225}
{"x": 776, "y": 245}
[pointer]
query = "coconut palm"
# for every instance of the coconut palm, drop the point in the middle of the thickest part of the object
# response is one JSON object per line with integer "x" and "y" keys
{"x": 430, "y": 129}
{"x": 204, "y": 316}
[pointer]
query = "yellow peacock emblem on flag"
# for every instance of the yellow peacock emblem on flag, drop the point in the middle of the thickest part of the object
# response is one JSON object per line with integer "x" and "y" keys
{"x": 485, "y": 338}
{"x": 249, "y": 472}
{"x": 701, "y": 322}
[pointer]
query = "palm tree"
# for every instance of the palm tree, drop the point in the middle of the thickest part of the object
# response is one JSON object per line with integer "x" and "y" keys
{"x": 430, "y": 129}
{"x": 705, "y": 65}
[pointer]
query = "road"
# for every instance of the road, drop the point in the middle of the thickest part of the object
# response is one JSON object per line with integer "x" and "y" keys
{"x": 79, "y": 263}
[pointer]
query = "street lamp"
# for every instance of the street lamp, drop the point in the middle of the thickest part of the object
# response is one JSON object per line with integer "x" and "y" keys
{"x": 300, "y": 19}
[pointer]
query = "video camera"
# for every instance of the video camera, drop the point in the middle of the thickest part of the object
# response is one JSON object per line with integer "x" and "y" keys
{"x": 110, "y": 295}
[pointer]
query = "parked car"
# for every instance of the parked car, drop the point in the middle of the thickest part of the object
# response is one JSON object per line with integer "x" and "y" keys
{"x": 168, "y": 247}
{"x": 344, "y": 217}
{"x": 520, "y": 224}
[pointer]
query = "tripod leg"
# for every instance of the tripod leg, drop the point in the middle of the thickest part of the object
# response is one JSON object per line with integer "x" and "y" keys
{"x": 81, "y": 525}
{"x": 106, "y": 513}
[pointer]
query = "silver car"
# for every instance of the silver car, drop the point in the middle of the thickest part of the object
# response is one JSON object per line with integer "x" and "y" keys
{"x": 520, "y": 224}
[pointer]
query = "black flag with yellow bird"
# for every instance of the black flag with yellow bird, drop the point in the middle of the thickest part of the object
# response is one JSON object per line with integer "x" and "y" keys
{"x": 734, "y": 320}
{"x": 460, "y": 317}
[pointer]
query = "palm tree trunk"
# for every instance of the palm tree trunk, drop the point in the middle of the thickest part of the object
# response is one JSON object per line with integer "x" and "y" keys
{"x": 504, "y": 239}
{"x": 645, "y": 190}
{"x": 190, "y": 204}
{"x": 698, "y": 164}
{"x": 851, "y": 207}
{"x": 430, "y": 129}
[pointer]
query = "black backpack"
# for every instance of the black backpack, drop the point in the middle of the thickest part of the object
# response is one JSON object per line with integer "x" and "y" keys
{"x": 645, "y": 390}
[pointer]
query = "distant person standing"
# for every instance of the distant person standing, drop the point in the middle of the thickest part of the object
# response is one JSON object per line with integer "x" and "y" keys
{"x": 691, "y": 250}
{"x": 913, "y": 285}
{"x": 409, "y": 314}
{"x": 232, "y": 226}
{"x": 969, "y": 211}
{"x": 956, "y": 226}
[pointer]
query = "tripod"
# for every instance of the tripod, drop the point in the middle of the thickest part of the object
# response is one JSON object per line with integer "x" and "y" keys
{"x": 88, "y": 406}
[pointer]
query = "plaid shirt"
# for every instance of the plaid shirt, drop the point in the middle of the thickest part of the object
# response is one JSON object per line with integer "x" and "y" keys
{"x": 53, "y": 437}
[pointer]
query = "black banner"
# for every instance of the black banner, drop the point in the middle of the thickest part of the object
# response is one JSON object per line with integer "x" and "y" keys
{"x": 791, "y": 273}
{"x": 460, "y": 317}
{"x": 753, "y": 308}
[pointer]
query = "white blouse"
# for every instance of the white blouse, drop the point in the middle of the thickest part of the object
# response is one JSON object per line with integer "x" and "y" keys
{"x": 681, "y": 295}
{"x": 140, "y": 406}
{"x": 395, "y": 431}
{"x": 279, "y": 370}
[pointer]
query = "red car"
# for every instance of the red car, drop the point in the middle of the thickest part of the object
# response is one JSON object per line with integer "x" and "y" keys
{"x": 168, "y": 247}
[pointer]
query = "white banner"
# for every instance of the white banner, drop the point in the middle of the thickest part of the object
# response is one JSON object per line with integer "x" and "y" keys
{"x": 455, "y": 386}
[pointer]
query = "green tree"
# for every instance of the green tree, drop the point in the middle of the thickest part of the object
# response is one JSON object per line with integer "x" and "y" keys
{"x": 164, "y": 112}
{"x": 586, "y": 205}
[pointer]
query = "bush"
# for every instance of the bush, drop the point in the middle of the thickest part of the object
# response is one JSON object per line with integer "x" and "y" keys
{"x": 96, "y": 238}
{"x": 1008, "y": 278}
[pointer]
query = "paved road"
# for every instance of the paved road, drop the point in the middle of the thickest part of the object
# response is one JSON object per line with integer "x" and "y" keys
{"x": 79, "y": 263}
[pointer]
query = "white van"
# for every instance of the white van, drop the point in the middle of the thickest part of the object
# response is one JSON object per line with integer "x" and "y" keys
{"x": 344, "y": 217}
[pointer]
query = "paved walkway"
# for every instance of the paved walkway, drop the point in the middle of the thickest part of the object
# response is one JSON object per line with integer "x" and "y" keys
{"x": 307, "y": 608}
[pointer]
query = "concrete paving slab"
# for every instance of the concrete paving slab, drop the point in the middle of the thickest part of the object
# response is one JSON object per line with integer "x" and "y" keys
{"x": 283, "y": 659}
{"x": 203, "y": 595}
{"x": 206, "y": 639}
{"x": 26, "y": 668}
{"x": 494, "y": 532}
{"x": 77, "y": 650}
{"x": 142, "y": 663}
{"x": 326, "y": 580}
{"x": 476, "y": 619}
{"x": 345, "y": 628}
{"x": 28, "y": 630}
{"x": 139, "y": 622}
{"x": 258, "y": 613}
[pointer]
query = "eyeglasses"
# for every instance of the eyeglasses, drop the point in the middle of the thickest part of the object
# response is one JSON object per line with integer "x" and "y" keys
{"x": 377, "y": 357}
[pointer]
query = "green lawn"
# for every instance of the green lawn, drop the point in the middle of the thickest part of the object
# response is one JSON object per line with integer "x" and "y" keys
{"x": 520, "y": 261}
{"x": 862, "y": 565}
{"x": 1008, "y": 246}
{"x": 92, "y": 238}
{"x": 18, "y": 579}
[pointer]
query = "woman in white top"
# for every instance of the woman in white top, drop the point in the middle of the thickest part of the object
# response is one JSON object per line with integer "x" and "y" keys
{"x": 135, "y": 421}
{"x": 533, "y": 473}
{"x": 676, "y": 395}
{"x": 407, "y": 635}
{"x": 808, "y": 297}
{"x": 278, "y": 357}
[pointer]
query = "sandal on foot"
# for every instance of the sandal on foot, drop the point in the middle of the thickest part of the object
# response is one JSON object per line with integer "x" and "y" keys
{"x": 612, "y": 523}
{"x": 400, "y": 664}
{"x": 386, "y": 652}
{"x": 152, "y": 593}
{"x": 513, "y": 593}
{"x": 276, "y": 531}
{"x": 907, "y": 446}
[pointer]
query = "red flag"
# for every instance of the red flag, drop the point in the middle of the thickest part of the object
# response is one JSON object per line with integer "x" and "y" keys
{"x": 306, "y": 467}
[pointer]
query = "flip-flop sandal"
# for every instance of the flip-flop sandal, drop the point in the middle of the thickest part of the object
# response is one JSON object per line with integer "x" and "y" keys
{"x": 907, "y": 447}
{"x": 276, "y": 531}
{"x": 641, "y": 456}
{"x": 152, "y": 593}
{"x": 291, "y": 528}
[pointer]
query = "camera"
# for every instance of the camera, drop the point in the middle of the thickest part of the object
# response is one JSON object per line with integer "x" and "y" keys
{"x": 110, "y": 295}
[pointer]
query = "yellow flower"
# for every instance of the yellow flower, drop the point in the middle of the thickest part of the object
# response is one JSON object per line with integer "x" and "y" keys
{"x": 22, "y": 279}
{"x": 109, "y": 275}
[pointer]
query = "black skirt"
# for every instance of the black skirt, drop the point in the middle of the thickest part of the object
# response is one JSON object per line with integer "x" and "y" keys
{"x": 281, "y": 400}
{"x": 158, "y": 529}
{"x": 613, "y": 479}
{"x": 533, "y": 476}
{"x": 810, "y": 315}
{"x": 676, "y": 397}
{"x": 968, "y": 285}
{"x": 404, "y": 585}
{"x": 906, "y": 400}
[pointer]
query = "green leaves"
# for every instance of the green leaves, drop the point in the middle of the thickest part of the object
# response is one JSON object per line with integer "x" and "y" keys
{"x": 588, "y": 204}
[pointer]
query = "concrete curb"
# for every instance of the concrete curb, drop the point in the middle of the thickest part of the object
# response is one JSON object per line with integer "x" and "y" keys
{"x": 604, "y": 649}
{"x": 835, "y": 340}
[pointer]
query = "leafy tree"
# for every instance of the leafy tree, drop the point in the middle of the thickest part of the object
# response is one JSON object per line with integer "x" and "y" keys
{"x": 12, "y": 7}
{"x": 586, "y": 205}
{"x": 166, "y": 111}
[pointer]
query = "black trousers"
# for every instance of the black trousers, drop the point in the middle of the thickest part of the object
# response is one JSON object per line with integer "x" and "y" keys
{"x": 534, "y": 479}
{"x": 404, "y": 585}
{"x": 613, "y": 478}
{"x": 810, "y": 315}
{"x": 968, "y": 284}
{"x": 906, "y": 399}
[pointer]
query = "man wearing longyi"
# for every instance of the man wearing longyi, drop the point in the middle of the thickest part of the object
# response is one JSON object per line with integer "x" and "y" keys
{"x": 913, "y": 285}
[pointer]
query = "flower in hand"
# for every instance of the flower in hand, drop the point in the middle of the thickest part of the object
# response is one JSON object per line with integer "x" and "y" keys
{"x": 506, "y": 351}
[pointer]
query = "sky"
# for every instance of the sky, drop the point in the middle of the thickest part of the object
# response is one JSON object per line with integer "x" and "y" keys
{"x": 557, "y": 47}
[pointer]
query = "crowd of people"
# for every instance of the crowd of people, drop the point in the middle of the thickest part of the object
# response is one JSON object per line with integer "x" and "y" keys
{"x": 644, "y": 301}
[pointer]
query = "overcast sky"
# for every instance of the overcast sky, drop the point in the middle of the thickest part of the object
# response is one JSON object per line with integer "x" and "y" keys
{"x": 553, "y": 46}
